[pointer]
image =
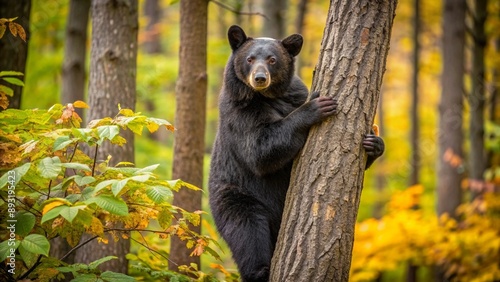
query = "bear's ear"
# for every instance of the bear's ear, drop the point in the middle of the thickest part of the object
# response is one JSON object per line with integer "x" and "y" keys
{"x": 293, "y": 44}
{"x": 236, "y": 37}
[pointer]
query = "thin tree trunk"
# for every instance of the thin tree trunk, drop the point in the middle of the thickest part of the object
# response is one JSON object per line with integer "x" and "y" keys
{"x": 477, "y": 100}
{"x": 73, "y": 86}
{"x": 13, "y": 50}
{"x": 415, "y": 132}
{"x": 299, "y": 28}
{"x": 189, "y": 143}
{"x": 317, "y": 232}
{"x": 112, "y": 82}
{"x": 75, "y": 50}
{"x": 274, "y": 24}
{"x": 450, "y": 109}
{"x": 152, "y": 10}
{"x": 411, "y": 275}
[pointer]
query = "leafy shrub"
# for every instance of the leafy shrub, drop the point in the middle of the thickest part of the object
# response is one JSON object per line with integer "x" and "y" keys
{"x": 51, "y": 188}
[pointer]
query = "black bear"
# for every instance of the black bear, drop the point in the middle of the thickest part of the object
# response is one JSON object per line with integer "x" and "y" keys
{"x": 263, "y": 123}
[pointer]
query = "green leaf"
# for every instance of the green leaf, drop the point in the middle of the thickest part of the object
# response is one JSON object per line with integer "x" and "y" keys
{"x": 150, "y": 168}
{"x": 104, "y": 184}
{"x": 87, "y": 277}
{"x": 83, "y": 134}
{"x": 7, "y": 90}
{"x": 175, "y": 184}
{"x": 11, "y": 73}
{"x": 14, "y": 177}
{"x": 76, "y": 166}
{"x": 14, "y": 80}
{"x": 6, "y": 247}
{"x": 37, "y": 244}
{"x": 159, "y": 194}
{"x": 25, "y": 223}
{"x": 61, "y": 143}
{"x": 80, "y": 181}
{"x": 111, "y": 204}
{"x": 140, "y": 178}
{"x": 50, "y": 167}
{"x": 28, "y": 257}
{"x": 96, "y": 263}
{"x": 110, "y": 276}
{"x": 53, "y": 213}
{"x": 108, "y": 131}
{"x": 69, "y": 213}
{"x": 117, "y": 187}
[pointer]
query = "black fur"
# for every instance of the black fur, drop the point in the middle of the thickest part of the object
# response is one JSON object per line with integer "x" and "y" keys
{"x": 260, "y": 133}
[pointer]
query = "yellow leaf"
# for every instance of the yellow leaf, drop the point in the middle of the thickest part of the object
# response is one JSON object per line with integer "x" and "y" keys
{"x": 152, "y": 127}
{"x": 13, "y": 28}
{"x": 127, "y": 112}
{"x": 375, "y": 129}
{"x": 20, "y": 31}
{"x": 51, "y": 205}
{"x": 80, "y": 104}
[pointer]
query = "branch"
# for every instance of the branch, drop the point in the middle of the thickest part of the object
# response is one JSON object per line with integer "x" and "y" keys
{"x": 78, "y": 247}
{"x": 32, "y": 268}
{"x": 236, "y": 11}
{"x": 95, "y": 158}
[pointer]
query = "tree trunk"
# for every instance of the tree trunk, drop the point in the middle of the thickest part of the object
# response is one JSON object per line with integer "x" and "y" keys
{"x": 317, "y": 232}
{"x": 189, "y": 142}
{"x": 112, "y": 82}
{"x": 75, "y": 50}
{"x": 450, "y": 109}
{"x": 415, "y": 135}
{"x": 274, "y": 24}
{"x": 477, "y": 100}
{"x": 152, "y": 43}
{"x": 13, "y": 49}
{"x": 411, "y": 275}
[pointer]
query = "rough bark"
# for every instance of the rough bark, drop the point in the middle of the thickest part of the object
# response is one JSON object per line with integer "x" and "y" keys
{"x": 451, "y": 108}
{"x": 317, "y": 232}
{"x": 477, "y": 100}
{"x": 75, "y": 50}
{"x": 13, "y": 50}
{"x": 112, "y": 81}
{"x": 189, "y": 142}
{"x": 274, "y": 24}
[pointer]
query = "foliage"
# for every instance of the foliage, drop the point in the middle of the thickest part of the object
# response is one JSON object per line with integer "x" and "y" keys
{"x": 51, "y": 187}
{"x": 469, "y": 250}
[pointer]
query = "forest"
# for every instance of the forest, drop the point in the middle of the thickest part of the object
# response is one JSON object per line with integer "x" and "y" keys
{"x": 109, "y": 112}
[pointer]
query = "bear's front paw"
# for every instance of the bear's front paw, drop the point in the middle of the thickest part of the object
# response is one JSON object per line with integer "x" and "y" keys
{"x": 325, "y": 106}
{"x": 374, "y": 145}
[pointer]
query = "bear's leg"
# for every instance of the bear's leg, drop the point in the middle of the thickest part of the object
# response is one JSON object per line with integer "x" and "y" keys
{"x": 249, "y": 239}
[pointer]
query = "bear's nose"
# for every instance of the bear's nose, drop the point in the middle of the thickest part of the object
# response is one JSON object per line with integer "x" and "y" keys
{"x": 260, "y": 77}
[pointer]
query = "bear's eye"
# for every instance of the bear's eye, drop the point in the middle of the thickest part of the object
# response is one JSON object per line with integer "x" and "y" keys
{"x": 272, "y": 60}
{"x": 250, "y": 60}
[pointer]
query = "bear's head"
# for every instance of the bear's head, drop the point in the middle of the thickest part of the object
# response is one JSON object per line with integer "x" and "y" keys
{"x": 264, "y": 64}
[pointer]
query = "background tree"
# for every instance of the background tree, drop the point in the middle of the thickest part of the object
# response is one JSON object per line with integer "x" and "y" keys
{"x": 450, "y": 108}
{"x": 477, "y": 99}
{"x": 317, "y": 233}
{"x": 112, "y": 81}
{"x": 15, "y": 51}
{"x": 189, "y": 143}
{"x": 75, "y": 51}
{"x": 415, "y": 124}
{"x": 274, "y": 24}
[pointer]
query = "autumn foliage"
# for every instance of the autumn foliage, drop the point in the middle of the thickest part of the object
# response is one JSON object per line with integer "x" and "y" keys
{"x": 51, "y": 188}
{"x": 469, "y": 250}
